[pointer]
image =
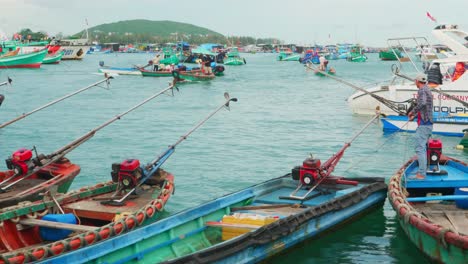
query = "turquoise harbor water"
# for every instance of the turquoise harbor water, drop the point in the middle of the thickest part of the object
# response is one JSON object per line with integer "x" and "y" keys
{"x": 283, "y": 114}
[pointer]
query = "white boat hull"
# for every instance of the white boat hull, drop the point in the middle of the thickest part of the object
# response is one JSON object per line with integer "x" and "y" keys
{"x": 365, "y": 104}
{"x": 74, "y": 52}
{"x": 120, "y": 72}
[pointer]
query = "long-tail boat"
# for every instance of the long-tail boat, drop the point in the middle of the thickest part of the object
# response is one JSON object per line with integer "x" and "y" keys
{"x": 252, "y": 224}
{"x": 433, "y": 211}
{"x": 98, "y": 216}
{"x": 29, "y": 177}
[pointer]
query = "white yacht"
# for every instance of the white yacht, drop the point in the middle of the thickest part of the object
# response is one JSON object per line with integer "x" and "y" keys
{"x": 400, "y": 91}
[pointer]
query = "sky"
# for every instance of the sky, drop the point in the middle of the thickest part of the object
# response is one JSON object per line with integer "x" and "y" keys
{"x": 369, "y": 22}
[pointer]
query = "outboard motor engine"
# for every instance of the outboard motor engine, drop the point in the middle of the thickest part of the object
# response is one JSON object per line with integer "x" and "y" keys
{"x": 218, "y": 69}
{"x": 127, "y": 173}
{"x": 308, "y": 173}
{"x": 20, "y": 162}
{"x": 434, "y": 151}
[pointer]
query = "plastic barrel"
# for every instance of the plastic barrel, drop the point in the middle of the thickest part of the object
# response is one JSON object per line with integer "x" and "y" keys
{"x": 54, "y": 234}
{"x": 462, "y": 204}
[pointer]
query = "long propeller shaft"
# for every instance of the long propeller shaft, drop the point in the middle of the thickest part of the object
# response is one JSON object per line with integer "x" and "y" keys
{"x": 110, "y": 121}
{"x": 384, "y": 101}
{"x": 53, "y": 102}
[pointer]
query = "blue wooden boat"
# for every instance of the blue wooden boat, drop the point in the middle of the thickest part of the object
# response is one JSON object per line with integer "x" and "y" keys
{"x": 249, "y": 225}
{"x": 444, "y": 124}
{"x": 433, "y": 211}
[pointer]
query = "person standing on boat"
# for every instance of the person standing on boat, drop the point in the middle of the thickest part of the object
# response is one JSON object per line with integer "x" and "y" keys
{"x": 156, "y": 60}
{"x": 423, "y": 111}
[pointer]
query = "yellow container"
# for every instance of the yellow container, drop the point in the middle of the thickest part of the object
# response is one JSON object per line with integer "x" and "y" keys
{"x": 243, "y": 219}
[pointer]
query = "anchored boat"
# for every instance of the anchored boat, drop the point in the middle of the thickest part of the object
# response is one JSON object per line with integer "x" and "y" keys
{"x": 433, "y": 211}
{"x": 53, "y": 58}
{"x": 28, "y": 60}
{"x": 233, "y": 58}
{"x": 252, "y": 224}
{"x": 447, "y": 125}
{"x": 99, "y": 215}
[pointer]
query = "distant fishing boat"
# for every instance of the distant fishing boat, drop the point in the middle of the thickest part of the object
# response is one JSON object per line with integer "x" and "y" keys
{"x": 148, "y": 73}
{"x": 252, "y": 224}
{"x": 233, "y": 58}
{"x": 189, "y": 76}
{"x": 286, "y": 54}
{"x": 433, "y": 211}
{"x": 356, "y": 55}
{"x": 330, "y": 70}
{"x": 443, "y": 125}
{"x": 73, "y": 49}
{"x": 53, "y": 58}
{"x": 28, "y": 60}
{"x": 391, "y": 54}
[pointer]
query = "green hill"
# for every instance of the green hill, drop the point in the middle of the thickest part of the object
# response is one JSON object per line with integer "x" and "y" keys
{"x": 148, "y": 27}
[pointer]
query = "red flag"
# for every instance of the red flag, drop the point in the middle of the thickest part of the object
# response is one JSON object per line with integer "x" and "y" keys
{"x": 431, "y": 17}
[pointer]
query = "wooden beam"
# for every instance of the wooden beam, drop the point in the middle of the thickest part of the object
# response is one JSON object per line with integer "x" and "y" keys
{"x": 57, "y": 225}
{"x": 220, "y": 224}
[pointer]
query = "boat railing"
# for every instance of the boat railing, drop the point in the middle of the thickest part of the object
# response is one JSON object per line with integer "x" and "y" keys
{"x": 403, "y": 43}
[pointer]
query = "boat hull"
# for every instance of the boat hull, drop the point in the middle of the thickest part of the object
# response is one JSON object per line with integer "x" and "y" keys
{"x": 146, "y": 73}
{"x": 53, "y": 59}
{"x": 74, "y": 52}
{"x": 234, "y": 61}
{"x": 361, "y": 103}
{"x": 29, "y": 60}
{"x": 186, "y": 232}
{"x": 436, "y": 240}
{"x": 449, "y": 126}
{"x": 25, "y": 245}
{"x": 120, "y": 71}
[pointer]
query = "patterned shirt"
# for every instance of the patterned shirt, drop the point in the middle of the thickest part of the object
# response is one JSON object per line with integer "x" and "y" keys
{"x": 424, "y": 106}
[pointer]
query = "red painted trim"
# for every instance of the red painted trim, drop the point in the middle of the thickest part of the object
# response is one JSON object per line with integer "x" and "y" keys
{"x": 34, "y": 65}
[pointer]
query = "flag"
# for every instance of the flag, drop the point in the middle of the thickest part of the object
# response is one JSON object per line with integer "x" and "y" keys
{"x": 431, "y": 17}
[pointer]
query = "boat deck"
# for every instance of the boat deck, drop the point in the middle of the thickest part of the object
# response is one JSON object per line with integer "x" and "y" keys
{"x": 446, "y": 215}
{"x": 456, "y": 176}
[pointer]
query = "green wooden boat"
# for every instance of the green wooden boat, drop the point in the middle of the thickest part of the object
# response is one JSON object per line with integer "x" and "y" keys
{"x": 169, "y": 57}
{"x": 29, "y": 60}
{"x": 53, "y": 58}
{"x": 147, "y": 73}
{"x": 191, "y": 76}
{"x": 390, "y": 55}
{"x": 286, "y": 56}
{"x": 433, "y": 211}
{"x": 233, "y": 58}
{"x": 356, "y": 55}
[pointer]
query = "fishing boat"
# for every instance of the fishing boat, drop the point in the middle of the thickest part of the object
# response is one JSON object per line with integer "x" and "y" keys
{"x": 28, "y": 177}
{"x": 391, "y": 54}
{"x": 28, "y": 60}
{"x": 53, "y": 58}
{"x": 286, "y": 54}
{"x": 233, "y": 58}
{"x": 252, "y": 224}
{"x": 400, "y": 90}
{"x": 356, "y": 55}
{"x": 330, "y": 71}
{"x": 433, "y": 211}
{"x": 446, "y": 125}
{"x": 73, "y": 49}
{"x": 98, "y": 215}
{"x": 191, "y": 76}
{"x": 147, "y": 73}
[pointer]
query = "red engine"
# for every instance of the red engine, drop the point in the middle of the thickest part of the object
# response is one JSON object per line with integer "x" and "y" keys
{"x": 434, "y": 151}
{"x": 127, "y": 173}
{"x": 308, "y": 173}
{"x": 21, "y": 161}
